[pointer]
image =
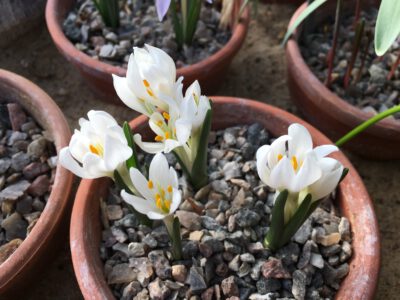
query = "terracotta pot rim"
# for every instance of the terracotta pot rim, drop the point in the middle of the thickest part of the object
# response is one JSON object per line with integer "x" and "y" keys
{"x": 58, "y": 36}
{"x": 89, "y": 273}
{"x": 336, "y": 105}
{"x": 58, "y": 200}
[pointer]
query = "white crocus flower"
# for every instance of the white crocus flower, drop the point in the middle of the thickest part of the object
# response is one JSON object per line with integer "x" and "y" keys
{"x": 150, "y": 77}
{"x": 97, "y": 149}
{"x": 160, "y": 196}
{"x": 292, "y": 163}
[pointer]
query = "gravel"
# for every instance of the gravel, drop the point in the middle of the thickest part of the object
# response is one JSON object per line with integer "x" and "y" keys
{"x": 139, "y": 25}
{"x": 26, "y": 176}
{"x": 223, "y": 257}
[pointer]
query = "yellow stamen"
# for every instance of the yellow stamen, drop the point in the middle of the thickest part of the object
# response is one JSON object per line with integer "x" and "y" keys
{"x": 150, "y": 184}
{"x": 149, "y": 91}
{"x": 158, "y": 201}
{"x": 167, "y": 204}
{"x": 294, "y": 162}
{"x": 159, "y": 123}
{"x": 162, "y": 191}
{"x": 169, "y": 189}
{"x": 146, "y": 83}
{"x": 280, "y": 156}
{"x": 158, "y": 138}
{"x": 166, "y": 135}
{"x": 96, "y": 149}
{"x": 166, "y": 115}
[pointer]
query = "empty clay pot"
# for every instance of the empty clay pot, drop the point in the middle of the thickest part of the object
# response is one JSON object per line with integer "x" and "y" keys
{"x": 208, "y": 72}
{"x": 24, "y": 264}
{"x": 333, "y": 115}
{"x": 352, "y": 197}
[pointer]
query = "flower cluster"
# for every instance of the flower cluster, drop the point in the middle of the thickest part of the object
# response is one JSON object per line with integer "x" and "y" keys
{"x": 300, "y": 174}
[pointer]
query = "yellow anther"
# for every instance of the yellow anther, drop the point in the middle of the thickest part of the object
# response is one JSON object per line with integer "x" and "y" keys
{"x": 166, "y": 115}
{"x": 294, "y": 162}
{"x": 159, "y": 123}
{"x": 150, "y": 92}
{"x": 158, "y": 138}
{"x": 162, "y": 192}
{"x": 167, "y": 204}
{"x": 150, "y": 184}
{"x": 169, "y": 189}
{"x": 166, "y": 135}
{"x": 280, "y": 156}
{"x": 158, "y": 201}
{"x": 98, "y": 149}
{"x": 146, "y": 83}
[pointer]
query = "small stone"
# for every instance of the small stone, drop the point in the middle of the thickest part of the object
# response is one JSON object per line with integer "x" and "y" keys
{"x": 247, "y": 218}
{"x": 107, "y": 51}
{"x": 247, "y": 257}
{"x": 15, "y": 137}
{"x": 241, "y": 183}
{"x": 35, "y": 169}
{"x": 131, "y": 290}
{"x": 305, "y": 255}
{"x": 222, "y": 270}
{"x": 328, "y": 240}
{"x": 202, "y": 193}
{"x": 38, "y": 147}
{"x": 158, "y": 290}
{"x": 231, "y": 170}
{"x": 17, "y": 116}
{"x": 196, "y": 280}
{"x": 244, "y": 270}
{"x": 19, "y": 161}
{"x": 346, "y": 251}
{"x": 317, "y": 260}
{"x": 229, "y": 287}
{"x": 112, "y": 37}
{"x": 39, "y": 186}
{"x": 210, "y": 246}
{"x": 234, "y": 264}
{"x": 332, "y": 276}
{"x": 210, "y": 223}
{"x": 144, "y": 269}
{"x": 255, "y": 248}
{"x": 160, "y": 264}
{"x": 273, "y": 268}
{"x": 179, "y": 273}
{"x": 344, "y": 229}
{"x": 121, "y": 273}
{"x": 189, "y": 220}
{"x": 24, "y": 205}
{"x": 240, "y": 199}
{"x": 196, "y": 235}
{"x": 142, "y": 295}
{"x": 299, "y": 285}
{"x": 190, "y": 249}
{"x": 114, "y": 212}
{"x": 150, "y": 241}
{"x": 377, "y": 74}
{"x": 5, "y": 164}
{"x": 15, "y": 227}
{"x": 331, "y": 250}
{"x": 208, "y": 294}
{"x": 136, "y": 249}
{"x": 15, "y": 191}
{"x": 304, "y": 232}
{"x": 265, "y": 285}
{"x": 229, "y": 138}
{"x": 8, "y": 249}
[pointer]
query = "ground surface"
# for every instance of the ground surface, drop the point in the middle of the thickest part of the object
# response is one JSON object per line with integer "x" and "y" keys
{"x": 258, "y": 72}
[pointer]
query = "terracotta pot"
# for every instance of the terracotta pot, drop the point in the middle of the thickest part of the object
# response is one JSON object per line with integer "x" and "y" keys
{"x": 292, "y": 2}
{"x": 19, "y": 17}
{"x": 330, "y": 113}
{"x": 360, "y": 283}
{"x": 208, "y": 72}
{"x": 24, "y": 264}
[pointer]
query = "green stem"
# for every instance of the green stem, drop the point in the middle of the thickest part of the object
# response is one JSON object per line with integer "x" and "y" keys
{"x": 174, "y": 231}
{"x": 184, "y": 11}
{"x": 366, "y": 124}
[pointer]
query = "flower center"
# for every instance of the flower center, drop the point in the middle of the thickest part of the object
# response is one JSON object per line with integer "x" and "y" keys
{"x": 163, "y": 199}
{"x": 148, "y": 88}
{"x": 97, "y": 149}
{"x": 293, "y": 161}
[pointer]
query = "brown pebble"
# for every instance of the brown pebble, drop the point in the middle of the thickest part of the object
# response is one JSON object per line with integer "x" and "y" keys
{"x": 17, "y": 116}
{"x": 39, "y": 186}
{"x": 8, "y": 249}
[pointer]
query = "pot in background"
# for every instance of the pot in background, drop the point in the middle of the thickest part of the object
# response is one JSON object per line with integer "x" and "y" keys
{"x": 352, "y": 197}
{"x": 209, "y": 72}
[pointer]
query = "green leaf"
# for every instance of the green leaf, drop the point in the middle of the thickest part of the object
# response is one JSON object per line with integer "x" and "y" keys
{"x": 193, "y": 18}
{"x": 132, "y": 162}
{"x": 296, "y": 221}
{"x": 177, "y": 240}
{"x": 177, "y": 24}
{"x": 199, "y": 170}
{"x": 121, "y": 183}
{"x": 272, "y": 239}
{"x": 309, "y": 10}
{"x": 109, "y": 11}
{"x": 387, "y": 25}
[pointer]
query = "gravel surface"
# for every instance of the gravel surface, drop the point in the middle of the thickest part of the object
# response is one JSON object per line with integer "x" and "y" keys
{"x": 223, "y": 226}
{"x": 139, "y": 25}
{"x": 257, "y": 72}
{"x": 27, "y": 166}
{"x": 369, "y": 88}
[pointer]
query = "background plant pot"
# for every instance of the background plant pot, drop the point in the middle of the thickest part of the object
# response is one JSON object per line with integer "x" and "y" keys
{"x": 208, "y": 72}
{"x": 17, "y": 17}
{"x": 24, "y": 264}
{"x": 330, "y": 113}
{"x": 293, "y": 2}
{"x": 360, "y": 283}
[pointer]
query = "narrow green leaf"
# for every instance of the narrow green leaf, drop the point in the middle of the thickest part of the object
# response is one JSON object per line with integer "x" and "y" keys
{"x": 199, "y": 169}
{"x": 193, "y": 18}
{"x": 272, "y": 239}
{"x": 177, "y": 240}
{"x": 309, "y": 10}
{"x": 344, "y": 174}
{"x": 132, "y": 162}
{"x": 177, "y": 24}
{"x": 387, "y": 25}
{"x": 296, "y": 221}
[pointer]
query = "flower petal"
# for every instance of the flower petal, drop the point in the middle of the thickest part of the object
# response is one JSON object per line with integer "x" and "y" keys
{"x": 183, "y": 130}
{"x": 148, "y": 147}
{"x": 162, "y": 8}
{"x": 262, "y": 160}
{"x": 308, "y": 173}
{"x": 115, "y": 152}
{"x": 141, "y": 205}
{"x": 176, "y": 200}
{"x": 326, "y": 184}
{"x": 68, "y": 162}
{"x": 159, "y": 170}
{"x": 141, "y": 184}
{"x": 282, "y": 175}
{"x": 324, "y": 150}
{"x": 300, "y": 141}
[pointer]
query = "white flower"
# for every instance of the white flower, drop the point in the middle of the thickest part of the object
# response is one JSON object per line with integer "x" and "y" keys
{"x": 291, "y": 163}
{"x": 160, "y": 196}
{"x": 97, "y": 149}
{"x": 150, "y": 77}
